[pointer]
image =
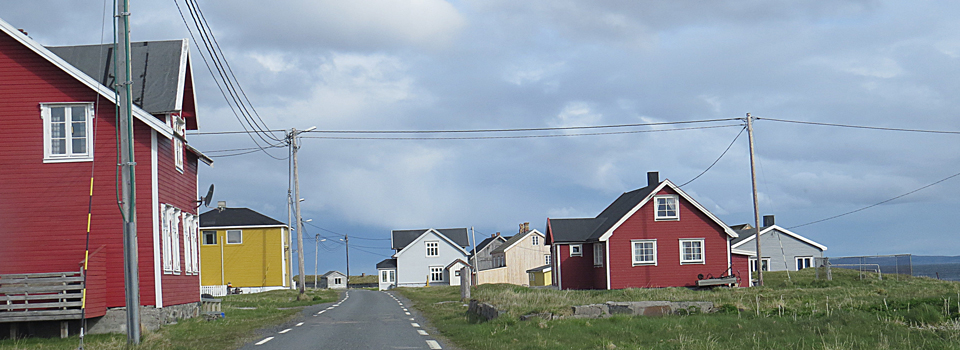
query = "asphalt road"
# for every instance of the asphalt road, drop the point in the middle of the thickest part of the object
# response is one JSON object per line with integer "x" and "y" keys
{"x": 363, "y": 319}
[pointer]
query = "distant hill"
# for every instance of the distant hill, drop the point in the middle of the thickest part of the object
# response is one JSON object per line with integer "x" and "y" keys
{"x": 934, "y": 259}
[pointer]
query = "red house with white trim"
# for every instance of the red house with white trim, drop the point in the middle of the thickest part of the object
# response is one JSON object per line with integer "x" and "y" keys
{"x": 656, "y": 236}
{"x": 59, "y": 160}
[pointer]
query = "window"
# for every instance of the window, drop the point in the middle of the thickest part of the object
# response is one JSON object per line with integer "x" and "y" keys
{"x": 691, "y": 251}
{"x": 575, "y": 250}
{"x": 179, "y": 129}
{"x": 804, "y": 262}
{"x": 499, "y": 261}
{"x": 234, "y": 236}
{"x": 436, "y": 274}
{"x": 337, "y": 280}
{"x": 666, "y": 208}
{"x": 765, "y": 263}
{"x": 546, "y": 259}
{"x": 536, "y": 240}
{"x": 191, "y": 241}
{"x": 387, "y": 276}
{"x": 170, "y": 234}
{"x": 433, "y": 249}
{"x": 456, "y": 273}
{"x": 67, "y": 132}
{"x": 598, "y": 254}
{"x": 645, "y": 252}
{"x": 533, "y": 278}
{"x": 393, "y": 276}
{"x": 209, "y": 237}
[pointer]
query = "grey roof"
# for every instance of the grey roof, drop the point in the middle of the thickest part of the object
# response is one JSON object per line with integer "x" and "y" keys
{"x": 387, "y": 264}
{"x": 485, "y": 242}
{"x": 511, "y": 241}
{"x": 236, "y": 217}
{"x": 155, "y": 70}
{"x": 590, "y": 229}
{"x": 403, "y": 237}
{"x": 744, "y": 234}
{"x": 539, "y": 269}
{"x": 332, "y": 272}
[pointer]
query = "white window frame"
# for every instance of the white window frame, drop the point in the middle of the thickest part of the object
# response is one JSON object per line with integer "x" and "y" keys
{"x": 435, "y": 246}
{"x": 436, "y": 271}
{"x": 176, "y": 241}
{"x": 684, "y": 261}
{"x": 753, "y": 264}
{"x": 228, "y": 236}
{"x": 70, "y": 156}
{"x": 167, "y": 245}
{"x": 547, "y": 259}
{"x": 578, "y": 248}
{"x": 807, "y": 259}
{"x": 179, "y": 126}
{"x": 192, "y": 240}
{"x": 535, "y": 240}
{"x": 393, "y": 276}
{"x": 665, "y": 217}
{"x": 634, "y": 256}
{"x": 212, "y": 233}
{"x": 337, "y": 280}
{"x": 598, "y": 249}
{"x": 384, "y": 276}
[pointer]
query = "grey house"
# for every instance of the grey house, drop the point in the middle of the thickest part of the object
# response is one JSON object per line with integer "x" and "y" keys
{"x": 483, "y": 258}
{"x": 333, "y": 280}
{"x": 798, "y": 252}
{"x": 423, "y": 257}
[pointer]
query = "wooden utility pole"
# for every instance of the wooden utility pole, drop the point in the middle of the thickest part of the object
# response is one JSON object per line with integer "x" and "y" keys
{"x": 756, "y": 206}
{"x": 128, "y": 205}
{"x": 346, "y": 241}
{"x": 295, "y": 146}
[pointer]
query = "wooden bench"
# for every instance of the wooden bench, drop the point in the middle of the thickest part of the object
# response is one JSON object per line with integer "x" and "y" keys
{"x": 51, "y": 296}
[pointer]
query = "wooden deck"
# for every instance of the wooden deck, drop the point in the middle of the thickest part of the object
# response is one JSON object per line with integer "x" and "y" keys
{"x": 52, "y": 296}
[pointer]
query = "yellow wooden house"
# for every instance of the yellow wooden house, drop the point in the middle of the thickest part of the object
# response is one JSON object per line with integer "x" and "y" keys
{"x": 245, "y": 249}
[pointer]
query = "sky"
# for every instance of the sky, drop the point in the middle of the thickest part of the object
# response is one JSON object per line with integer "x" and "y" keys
{"x": 498, "y": 64}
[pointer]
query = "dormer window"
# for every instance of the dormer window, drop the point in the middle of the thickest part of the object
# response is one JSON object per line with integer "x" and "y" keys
{"x": 666, "y": 208}
{"x": 179, "y": 130}
{"x": 67, "y": 132}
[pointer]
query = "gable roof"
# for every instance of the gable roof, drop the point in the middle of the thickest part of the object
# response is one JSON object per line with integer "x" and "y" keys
{"x": 399, "y": 239}
{"x": 514, "y": 240}
{"x": 484, "y": 243}
{"x": 105, "y": 92}
{"x": 229, "y": 217}
{"x": 460, "y": 233}
{"x": 159, "y": 69}
{"x": 455, "y": 261}
{"x": 332, "y": 272}
{"x": 749, "y": 234}
{"x": 579, "y": 230}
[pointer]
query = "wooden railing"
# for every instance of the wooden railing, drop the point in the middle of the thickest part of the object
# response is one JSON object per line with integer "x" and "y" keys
{"x": 47, "y": 296}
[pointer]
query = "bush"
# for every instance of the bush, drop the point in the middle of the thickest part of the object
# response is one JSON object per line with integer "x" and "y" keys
{"x": 924, "y": 314}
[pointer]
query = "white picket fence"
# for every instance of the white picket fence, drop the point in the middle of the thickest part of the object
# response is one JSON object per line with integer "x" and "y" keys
{"x": 217, "y": 291}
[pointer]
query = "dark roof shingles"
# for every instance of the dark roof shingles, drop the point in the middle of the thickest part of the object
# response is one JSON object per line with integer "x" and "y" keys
{"x": 236, "y": 217}
{"x": 401, "y": 238}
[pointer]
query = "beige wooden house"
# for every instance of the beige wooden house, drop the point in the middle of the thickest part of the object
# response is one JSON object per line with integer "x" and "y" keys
{"x": 512, "y": 259}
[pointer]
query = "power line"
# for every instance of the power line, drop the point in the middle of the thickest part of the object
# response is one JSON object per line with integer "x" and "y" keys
{"x": 516, "y": 137}
{"x": 718, "y": 158}
{"x": 878, "y": 203}
{"x": 862, "y": 126}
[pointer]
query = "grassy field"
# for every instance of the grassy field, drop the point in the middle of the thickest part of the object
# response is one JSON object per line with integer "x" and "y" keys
{"x": 799, "y": 313}
{"x": 230, "y": 332}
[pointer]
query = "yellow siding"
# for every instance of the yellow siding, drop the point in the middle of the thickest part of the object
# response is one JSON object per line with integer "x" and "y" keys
{"x": 541, "y": 279}
{"x": 256, "y": 262}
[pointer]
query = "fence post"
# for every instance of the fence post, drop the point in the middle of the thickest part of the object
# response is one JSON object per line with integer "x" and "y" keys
{"x": 465, "y": 283}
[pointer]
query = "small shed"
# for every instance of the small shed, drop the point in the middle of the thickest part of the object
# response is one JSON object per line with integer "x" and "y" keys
{"x": 333, "y": 280}
{"x": 540, "y": 276}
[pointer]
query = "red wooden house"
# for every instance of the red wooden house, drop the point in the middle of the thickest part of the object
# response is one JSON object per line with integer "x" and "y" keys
{"x": 57, "y": 114}
{"x": 656, "y": 236}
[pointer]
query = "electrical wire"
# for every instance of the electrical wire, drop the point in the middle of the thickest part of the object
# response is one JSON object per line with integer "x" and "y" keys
{"x": 518, "y": 136}
{"x": 862, "y": 126}
{"x": 878, "y": 203}
{"x": 718, "y": 158}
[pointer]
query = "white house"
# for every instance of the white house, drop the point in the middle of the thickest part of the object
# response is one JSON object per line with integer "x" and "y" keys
{"x": 333, "y": 280}
{"x": 782, "y": 249}
{"x": 423, "y": 257}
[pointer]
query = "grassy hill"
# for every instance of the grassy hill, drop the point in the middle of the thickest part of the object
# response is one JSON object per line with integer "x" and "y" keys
{"x": 799, "y": 312}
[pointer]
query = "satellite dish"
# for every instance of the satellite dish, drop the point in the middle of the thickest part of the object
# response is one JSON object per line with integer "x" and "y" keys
{"x": 205, "y": 200}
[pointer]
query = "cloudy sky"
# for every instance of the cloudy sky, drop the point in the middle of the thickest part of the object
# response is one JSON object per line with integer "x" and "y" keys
{"x": 493, "y": 64}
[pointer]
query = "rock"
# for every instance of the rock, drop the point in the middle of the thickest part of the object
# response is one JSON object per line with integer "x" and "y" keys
{"x": 591, "y": 311}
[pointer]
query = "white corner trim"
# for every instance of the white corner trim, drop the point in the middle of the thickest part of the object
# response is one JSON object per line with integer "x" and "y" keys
{"x": 155, "y": 205}
{"x": 726, "y": 228}
{"x": 182, "y": 74}
{"x": 781, "y": 229}
{"x": 607, "y": 246}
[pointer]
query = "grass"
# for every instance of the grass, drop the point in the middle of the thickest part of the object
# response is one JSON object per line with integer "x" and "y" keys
{"x": 237, "y": 328}
{"x": 799, "y": 313}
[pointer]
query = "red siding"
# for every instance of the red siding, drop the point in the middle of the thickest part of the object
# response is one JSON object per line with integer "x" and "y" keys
{"x": 96, "y": 303}
{"x": 741, "y": 268}
{"x": 44, "y": 206}
{"x": 668, "y": 272}
{"x": 577, "y": 272}
{"x": 178, "y": 190}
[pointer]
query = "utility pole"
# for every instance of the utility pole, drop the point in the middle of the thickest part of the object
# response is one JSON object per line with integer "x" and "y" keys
{"x": 346, "y": 241}
{"x": 292, "y": 141}
{"x": 756, "y": 206}
{"x": 128, "y": 203}
{"x": 316, "y": 259}
{"x": 475, "y": 269}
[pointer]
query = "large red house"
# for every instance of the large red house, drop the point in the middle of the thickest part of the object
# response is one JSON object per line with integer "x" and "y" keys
{"x": 59, "y": 160}
{"x": 656, "y": 236}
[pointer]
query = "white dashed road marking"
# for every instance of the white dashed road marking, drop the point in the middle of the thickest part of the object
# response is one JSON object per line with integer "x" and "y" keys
{"x": 433, "y": 344}
{"x": 422, "y": 332}
{"x": 285, "y": 330}
{"x": 299, "y": 324}
{"x": 408, "y": 314}
{"x": 264, "y": 341}
{"x": 415, "y": 324}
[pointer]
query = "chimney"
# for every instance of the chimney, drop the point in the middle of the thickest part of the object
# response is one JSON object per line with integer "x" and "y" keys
{"x": 221, "y": 205}
{"x": 768, "y": 220}
{"x": 653, "y": 178}
{"x": 526, "y": 227}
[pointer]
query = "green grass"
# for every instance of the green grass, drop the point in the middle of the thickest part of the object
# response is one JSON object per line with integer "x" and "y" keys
{"x": 231, "y": 332}
{"x": 800, "y": 313}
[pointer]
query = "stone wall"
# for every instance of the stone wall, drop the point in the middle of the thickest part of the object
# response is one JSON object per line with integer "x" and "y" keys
{"x": 642, "y": 308}
{"x": 151, "y": 318}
